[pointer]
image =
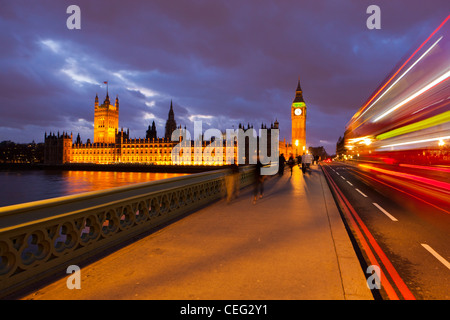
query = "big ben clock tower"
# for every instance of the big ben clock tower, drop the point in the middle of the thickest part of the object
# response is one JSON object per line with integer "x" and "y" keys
{"x": 298, "y": 118}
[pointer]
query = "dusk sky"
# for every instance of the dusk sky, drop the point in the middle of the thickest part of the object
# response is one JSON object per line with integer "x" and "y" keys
{"x": 222, "y": 62}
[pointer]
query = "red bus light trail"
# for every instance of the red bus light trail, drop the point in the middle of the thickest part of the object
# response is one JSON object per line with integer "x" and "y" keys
{"x": 440, "y": 184}
{"x": 406, "y": 62}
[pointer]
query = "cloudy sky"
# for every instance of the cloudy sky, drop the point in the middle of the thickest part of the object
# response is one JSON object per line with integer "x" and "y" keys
{"x": 224, "y": 62}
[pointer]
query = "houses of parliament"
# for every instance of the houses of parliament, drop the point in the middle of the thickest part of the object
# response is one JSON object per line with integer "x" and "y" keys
{"x": 112, "y": 146}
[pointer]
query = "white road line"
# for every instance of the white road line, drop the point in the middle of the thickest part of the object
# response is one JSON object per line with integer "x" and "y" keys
{"x": 436, "y": 255}
{"x": 361, "y": 193}
{"x": 385, "y": 212}
{"x": 342, "y": 177}
{"x": 349, "y": 183}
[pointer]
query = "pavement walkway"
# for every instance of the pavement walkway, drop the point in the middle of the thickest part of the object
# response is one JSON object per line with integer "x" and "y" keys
{"x": 290, "y": 245}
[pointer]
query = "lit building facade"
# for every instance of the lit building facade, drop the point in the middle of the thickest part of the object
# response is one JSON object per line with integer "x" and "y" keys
{"x": 106, "y": 121}
{"x": 113, "y": 146}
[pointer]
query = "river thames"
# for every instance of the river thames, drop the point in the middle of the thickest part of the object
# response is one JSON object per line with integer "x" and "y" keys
{"x": 32, "y": 185}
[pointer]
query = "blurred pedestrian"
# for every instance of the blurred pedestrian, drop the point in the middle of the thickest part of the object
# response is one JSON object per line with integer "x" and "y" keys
{"x": 232, "y": 183}
{"x": 307, "y": 159}
{"x": 259, "y": 183}
{"x": 299, "y": 160}
{"x": 291, "y": 162}
{"x": 281, "y": 164}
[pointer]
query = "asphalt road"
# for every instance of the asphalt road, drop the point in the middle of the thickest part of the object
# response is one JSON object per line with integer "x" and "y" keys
{"x": 407, "y": 215}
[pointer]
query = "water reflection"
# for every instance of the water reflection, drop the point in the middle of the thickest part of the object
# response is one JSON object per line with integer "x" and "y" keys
{"x": 24, "y": 186}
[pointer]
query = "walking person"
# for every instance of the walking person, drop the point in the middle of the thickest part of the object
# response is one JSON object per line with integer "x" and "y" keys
{"x": 299, "y": 160}
{"x": 307, "y": 159}
{"x": 258, "y": 186}
{"x": 232, "y": 183}
{"x": 291, "y": 162}
{"x": 281, "y": 164}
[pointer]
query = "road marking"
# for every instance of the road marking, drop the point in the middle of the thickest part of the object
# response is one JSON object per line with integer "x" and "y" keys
{"x": 436, "y": 255}
{"x": 385, "y": 212}
{"x": 342, "y": 177}
{"x": 360, "y": 229}
{"x": 349, "y": 183}
{"x": 361, "y": 193}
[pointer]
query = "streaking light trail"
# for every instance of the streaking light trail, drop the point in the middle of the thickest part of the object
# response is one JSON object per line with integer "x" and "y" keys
{"x": 414, "y": 142}
{"x": 427, "y": 123}
{"x": 432, "y": 182}
{"x": 412, "y": 66}
{"x": 415, "y": 95}
{"x": 425, "y": 167}
{"x": 407, "y": 119}
{"x": 414, "y": 53}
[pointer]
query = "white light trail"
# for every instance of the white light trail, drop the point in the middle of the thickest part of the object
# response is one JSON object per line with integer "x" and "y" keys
{"x": 415, "y": 95}
{"x": 416, "y": 141}
{"x": 412, "y": 66}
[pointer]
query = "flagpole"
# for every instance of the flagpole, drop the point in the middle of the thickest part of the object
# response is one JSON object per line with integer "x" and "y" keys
{"x": 106, "y": 82}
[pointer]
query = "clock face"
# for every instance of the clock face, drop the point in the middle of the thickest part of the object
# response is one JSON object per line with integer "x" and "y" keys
{"x": 298, "y": 112}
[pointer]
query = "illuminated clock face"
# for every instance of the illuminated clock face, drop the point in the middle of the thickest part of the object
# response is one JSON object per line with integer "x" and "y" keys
{"x": 298, "y": 112}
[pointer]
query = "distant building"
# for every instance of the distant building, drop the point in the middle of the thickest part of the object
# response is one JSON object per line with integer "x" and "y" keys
{"x": 58, "y": 148}
{"x": 319, "y": 152}
{"x": 340, "y": 147}
{"x": 113, "y": 146}
{"x": 298, "y": 120}
{"x": 106, "y": 120}
{"x": 11, "y": 152}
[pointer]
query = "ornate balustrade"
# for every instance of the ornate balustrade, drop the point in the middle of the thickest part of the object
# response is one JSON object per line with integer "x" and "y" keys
{"x": 42, "y": 238}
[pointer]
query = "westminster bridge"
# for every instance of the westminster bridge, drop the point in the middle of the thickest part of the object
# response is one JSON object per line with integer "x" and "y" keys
{"x": 181, "y": 238}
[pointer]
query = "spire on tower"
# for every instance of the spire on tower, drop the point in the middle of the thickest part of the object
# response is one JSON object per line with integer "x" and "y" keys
{"x": 298, "y": 93}
{"x": 298, "y": 85}
{"x": 171, "y": 124}
{"x": 107, "y": 101}
{"x": 171, "y": 113}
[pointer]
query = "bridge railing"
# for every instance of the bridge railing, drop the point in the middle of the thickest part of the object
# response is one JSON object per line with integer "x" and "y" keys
{"x": 40, "y": 239}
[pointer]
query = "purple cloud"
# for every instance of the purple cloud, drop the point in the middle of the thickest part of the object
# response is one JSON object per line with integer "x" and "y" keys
{"x": 223, "y": 62}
